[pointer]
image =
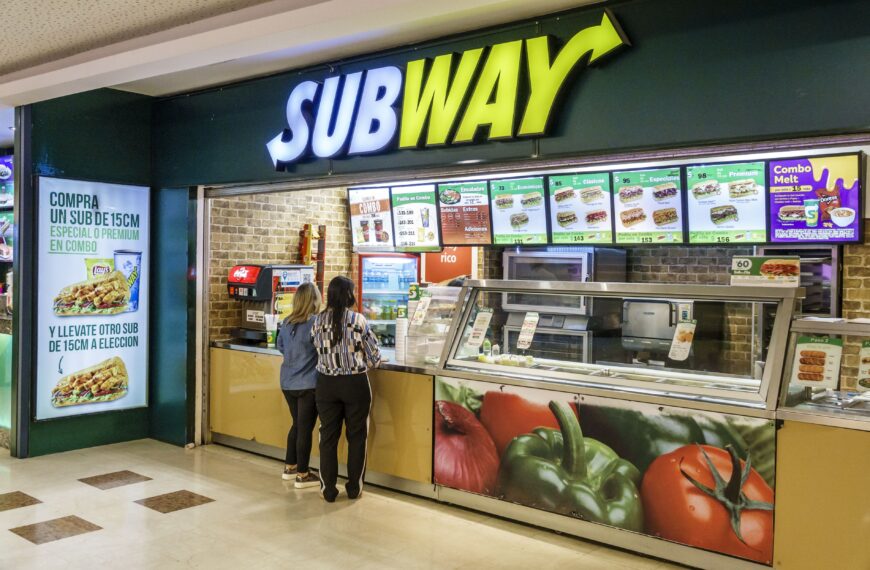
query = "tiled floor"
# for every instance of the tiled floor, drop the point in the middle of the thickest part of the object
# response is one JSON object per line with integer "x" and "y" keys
{"x": 246, "y": 517}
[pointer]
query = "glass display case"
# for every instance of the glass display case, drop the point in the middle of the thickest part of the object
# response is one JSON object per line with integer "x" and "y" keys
{"x": 827, "y": 373}
{"x": 687, "y": 342}
{"x": 427, "y": 333}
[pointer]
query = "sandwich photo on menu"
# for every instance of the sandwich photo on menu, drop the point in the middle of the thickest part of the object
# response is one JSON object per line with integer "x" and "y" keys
{"x": 630, "y": 193}
{"x": 811, "y": 365}
{"x": 665, "y": 191}
{"x": 107, "y": 294}
{"x": 532, "y": 199}
{"x": 564, "y": 194}
{"x": 722, "y": 214}
{"x": 665, "y": 216}
{"x": 519, "y": 220}
{"x": 632, "y": 217}
{"x": 741, "y": 188}
{"x": 705, "y": 189}
{"x": 103, "y": 382}
{"x": 590, "y": 194}
{"x": 596, "y": 217}
{"x": 792, "y": 213}
{"x": 504, "y": 201}
{"x": 566, "y": 219}
{"x": 781, "y": 268}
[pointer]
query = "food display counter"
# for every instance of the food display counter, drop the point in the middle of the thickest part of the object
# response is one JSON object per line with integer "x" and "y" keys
{"x": 668, "y": 449}
{"x": 823, "y": 447}
{"x": 247, "y": 411}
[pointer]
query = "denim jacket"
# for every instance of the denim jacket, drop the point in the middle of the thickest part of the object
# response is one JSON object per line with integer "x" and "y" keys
{"x": 298, "y": 370}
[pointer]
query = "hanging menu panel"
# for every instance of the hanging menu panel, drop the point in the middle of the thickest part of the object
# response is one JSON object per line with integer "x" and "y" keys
{"x": 648, "y": 206}
{"x": 464, "y": 213}
{"x": 816, "y": 199}
{"x": 581, "y": 208}
{"x": 727, "y": 203}
{"x": 370, "y": 218}
{"x": 415, "y": 217}
{"x": 519, "y": 215}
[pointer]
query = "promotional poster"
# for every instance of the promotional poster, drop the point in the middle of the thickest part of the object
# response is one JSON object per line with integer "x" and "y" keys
{"x": 519, "y": 215}
{"x": 727, "y": 203}
{"x": 92, "y": 320}
{"x": 703, "y": 479}
{"x": 371, "y": 218}
{"x": 815, "y": 199}
{"x": 580, "y": 210}
{"x": 648, "y": 206}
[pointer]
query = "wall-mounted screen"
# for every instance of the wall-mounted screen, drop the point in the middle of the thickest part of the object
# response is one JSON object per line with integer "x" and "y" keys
{"x": 648, "y": 206}
{"x": 727, "y": 203}
{"x": 519, "y": 213}
{"x": 581, "y": 208}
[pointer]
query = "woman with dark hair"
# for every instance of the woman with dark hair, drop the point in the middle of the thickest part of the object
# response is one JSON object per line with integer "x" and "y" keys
{"x": 346, "y": 349}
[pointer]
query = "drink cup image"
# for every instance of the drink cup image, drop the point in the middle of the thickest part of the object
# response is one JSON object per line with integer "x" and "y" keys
{"x": 271, "y": 329}
{"x": 379, "y": 225}
{"x": 811, "y": 207}
{"x": 364, "y": 225}
{"x": 424, "y": 217}
{"x": 129, "y": 263}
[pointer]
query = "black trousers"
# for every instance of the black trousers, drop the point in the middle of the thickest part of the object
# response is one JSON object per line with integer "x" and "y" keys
{"x": 343, "y": 399}
{"x": 303, "y": 410}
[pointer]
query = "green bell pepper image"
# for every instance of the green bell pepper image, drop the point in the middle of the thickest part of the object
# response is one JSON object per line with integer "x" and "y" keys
{"x": 563, "y": 472}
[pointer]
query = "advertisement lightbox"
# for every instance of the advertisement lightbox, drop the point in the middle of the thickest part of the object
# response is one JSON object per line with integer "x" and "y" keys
{"x": 519, "y": 213}
{"x": 727, "y": 203}
{"x": 93, "y": 302}
{"x": 816, "y": 199}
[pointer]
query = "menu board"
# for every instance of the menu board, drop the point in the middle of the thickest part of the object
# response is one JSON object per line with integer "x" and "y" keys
{"x": 415, "y": 217}
{"x": 727, "y": 203}
{"x": 93, "y": 303}
{"x": 464, "y": 213}
{"x": 7, "y": 181}
{"x": 817, "y": 362}
{"x": 519, "y": 215}
{"x": 815, "y": 199}
{"x": 648, "y": 206}
{"x": 370, "y": 218}
{"x": 580, "y": 208}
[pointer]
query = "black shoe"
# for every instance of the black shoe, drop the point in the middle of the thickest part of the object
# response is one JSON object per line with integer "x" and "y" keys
{"x": 353, "y": 493}
{"x": 328, "y": 497}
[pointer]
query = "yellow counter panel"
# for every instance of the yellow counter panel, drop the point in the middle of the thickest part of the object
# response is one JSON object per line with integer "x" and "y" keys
{"x": 246, "y": 402}
{"x": 822, "y": 497}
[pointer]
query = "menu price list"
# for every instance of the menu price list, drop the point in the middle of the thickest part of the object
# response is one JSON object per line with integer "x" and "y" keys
{"x": 464, "y": 213}
{"x": 580, "y": 208}
{"x": 815, "y": 199}
{"x": 519, "y": 214}
{"x": 727, "y": 203}
{"x": 648, "y": 206}
{"x": 414, "y": 217}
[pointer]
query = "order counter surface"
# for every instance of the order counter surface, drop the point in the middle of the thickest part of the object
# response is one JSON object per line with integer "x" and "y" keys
{"x": 247, "y": 408}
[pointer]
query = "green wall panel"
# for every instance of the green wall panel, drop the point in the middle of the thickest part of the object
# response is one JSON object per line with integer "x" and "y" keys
{"x": 105, "y": 135}
{"x": 697, "y": 72}
{"x": 168, "y": 363}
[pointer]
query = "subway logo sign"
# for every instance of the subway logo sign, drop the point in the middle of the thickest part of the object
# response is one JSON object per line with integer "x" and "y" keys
{"x": 498, "y": 92}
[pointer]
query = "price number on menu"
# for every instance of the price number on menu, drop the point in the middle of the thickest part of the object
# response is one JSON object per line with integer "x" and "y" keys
{"x": 557, "y": 183}
{"x": 741, "y": 264}
{"x": 626, "y": 180}
{"x": 406, "y": 222}
{"x": 723, "y": 239}
{"x": 646, "y": 240}
{"x": 404, "y": 212}
{"x": 578, "y": 238}
{"x": 701, "y": 175}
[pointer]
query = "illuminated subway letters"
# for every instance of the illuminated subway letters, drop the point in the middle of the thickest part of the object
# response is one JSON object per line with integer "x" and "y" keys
{"x": 450, "y": 99}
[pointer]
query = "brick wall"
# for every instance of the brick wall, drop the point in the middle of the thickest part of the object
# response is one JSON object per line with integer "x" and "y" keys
{"x": 676, "y": 264}
{"x": 856, "y": 301}
{"x": 265, "y": 229}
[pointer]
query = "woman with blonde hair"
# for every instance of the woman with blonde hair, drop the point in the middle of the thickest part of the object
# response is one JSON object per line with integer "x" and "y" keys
{"x": 298, "y": 381}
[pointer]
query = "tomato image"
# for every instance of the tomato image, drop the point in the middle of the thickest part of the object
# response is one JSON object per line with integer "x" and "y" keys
{"x": 705, "y": 496}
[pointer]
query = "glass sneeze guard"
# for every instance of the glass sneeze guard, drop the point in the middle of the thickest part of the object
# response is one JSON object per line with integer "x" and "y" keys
{"x": 692, "y": 342}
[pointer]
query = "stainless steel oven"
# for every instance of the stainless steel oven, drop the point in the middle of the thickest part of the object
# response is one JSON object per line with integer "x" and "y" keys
{"x": 579, "y": 265}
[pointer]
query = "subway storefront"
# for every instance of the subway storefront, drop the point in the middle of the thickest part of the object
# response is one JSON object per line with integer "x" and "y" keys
{"x": 620, "y": 189}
